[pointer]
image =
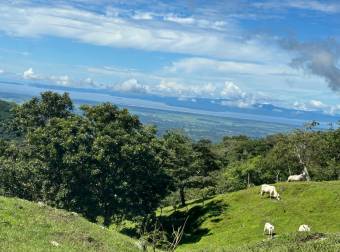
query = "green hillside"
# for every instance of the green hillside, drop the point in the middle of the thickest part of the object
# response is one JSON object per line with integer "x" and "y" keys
{"x": 233, "y": 220}
{"x": 24, "y": 226}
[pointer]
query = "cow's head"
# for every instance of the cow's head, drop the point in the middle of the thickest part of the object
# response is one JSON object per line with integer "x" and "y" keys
{"x": 278, "y": 196}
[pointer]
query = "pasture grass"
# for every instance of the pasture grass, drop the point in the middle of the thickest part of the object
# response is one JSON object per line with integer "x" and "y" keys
{"x": 234, "y": 220}
{"x": 24, "y": 226}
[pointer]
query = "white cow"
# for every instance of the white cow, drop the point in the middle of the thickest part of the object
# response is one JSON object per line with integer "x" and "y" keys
{"x": 269, "y": 228}
{"x": 304, "y": 228}
{"x": 271, "y": 190}
{"x": 41, "y": 204}
{"x": 299, "y": 177}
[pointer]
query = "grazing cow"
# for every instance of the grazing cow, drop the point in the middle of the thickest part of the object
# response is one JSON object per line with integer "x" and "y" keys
{"x": 41, "y": 204}
{"x": 304, "y": 228}
{"x": 269, "y": 228}
{"x": 299, "y": 177}
{"x": 271, "y": 190}
{"x": 55, "y": 244}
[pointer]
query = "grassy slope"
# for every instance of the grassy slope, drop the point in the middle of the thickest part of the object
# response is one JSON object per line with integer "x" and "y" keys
{"x": 235, "y": 219}
{"x": 24, "y": 226}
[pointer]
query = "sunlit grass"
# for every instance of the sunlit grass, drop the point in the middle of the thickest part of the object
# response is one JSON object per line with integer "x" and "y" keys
{"x": 244, "y": 213}
{"x": 24, "y": 226}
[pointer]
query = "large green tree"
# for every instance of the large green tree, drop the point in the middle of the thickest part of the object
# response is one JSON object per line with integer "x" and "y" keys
{"x": 103, "y": 162}
{"x": 130, "y": 177}
{"x": 39, "y": 110}
{"x": 205, "y": 163}
{"x": 180, "y": 161}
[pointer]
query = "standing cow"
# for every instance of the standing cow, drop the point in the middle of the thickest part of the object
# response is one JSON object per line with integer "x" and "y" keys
{"x": 269, "y": 228}
{"x": 271, "y": 190}
{"x": 300, "y": 177}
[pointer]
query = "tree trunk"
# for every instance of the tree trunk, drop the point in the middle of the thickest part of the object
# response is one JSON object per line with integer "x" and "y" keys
{"x": 107, "y": 216}
{"x": 182, "y": 196}
{"x": 248, "y": 180}
{"x": 307, "y": 173}
{"x": 277, "y": 176}
{"x": 107, "y": 220}
{"x": 301, "y": 161}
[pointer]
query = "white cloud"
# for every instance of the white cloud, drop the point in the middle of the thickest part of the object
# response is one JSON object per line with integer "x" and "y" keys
{"x": 180, "y": 20}
{"x": 238, "y": 103}
{"x": 321, "y": 6}
{"x": 205, "y": 65}
{"x": 198, "y": 22}
{"x": 143, "y": 16}
{"x": 2, "y": 71}
{"x": 231, "y": 91}
{"x": 29, "y": 74}
{"x": 99, "y": 29}
{"x": 63, "y": 80}
{"x": 316, "y": 105}
{"x": 173, "y": 88}
{"x": 131, "y": 85}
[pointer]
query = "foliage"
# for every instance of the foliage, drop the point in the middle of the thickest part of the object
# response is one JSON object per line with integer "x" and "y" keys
{"x": 130, "y": 178}
{"x": 102, "y": 163}
{"x": 38, "y": 111}
{"x": 6, "y": 114}
{"x": 180, "y": 161}
{"x": 191, "y": 165}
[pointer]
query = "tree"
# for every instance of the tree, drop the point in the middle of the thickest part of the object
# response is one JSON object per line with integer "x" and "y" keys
{"x": 64, "y": 148}
{"x": 205, "y": 163}
{"x": 301, "y": 146}
{"x": 179, "y": 161}
{"x": 130, "y": 177}
{"x": 38, "y": 111}
{"x": 101, "y": 163}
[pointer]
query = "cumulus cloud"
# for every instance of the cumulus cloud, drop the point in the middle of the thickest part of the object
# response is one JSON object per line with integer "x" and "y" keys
{"x": 63, "y": 80}
{"x": 238, "y": 103}
{"x": 316, "y": 105}
{"x": 318, "y": 58}
{"x": 29, "y": 74}
{"x": 173, "y": 88}
{"x": 131, "y": 85}
{"x": 230, "y": 90}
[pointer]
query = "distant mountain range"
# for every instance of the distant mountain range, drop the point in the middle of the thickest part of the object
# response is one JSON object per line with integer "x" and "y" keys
{"x": 153, "y": 108}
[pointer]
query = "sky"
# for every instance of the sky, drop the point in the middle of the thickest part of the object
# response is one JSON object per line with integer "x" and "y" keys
{"x": 238, "y": 52}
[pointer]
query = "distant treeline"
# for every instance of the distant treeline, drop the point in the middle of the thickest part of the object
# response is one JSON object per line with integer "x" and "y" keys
{"x": 105, "y": 164}
{"x": 5, "y": 114}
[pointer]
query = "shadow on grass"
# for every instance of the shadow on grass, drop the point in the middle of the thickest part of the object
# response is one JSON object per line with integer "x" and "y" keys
{"x": 193, "y": 231}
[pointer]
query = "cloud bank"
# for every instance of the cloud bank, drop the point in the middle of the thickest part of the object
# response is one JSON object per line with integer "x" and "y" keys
{"x": 319, "y": 58}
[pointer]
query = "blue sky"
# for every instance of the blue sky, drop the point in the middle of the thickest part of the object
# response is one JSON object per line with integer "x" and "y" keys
{"x": 243, "y": 53}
